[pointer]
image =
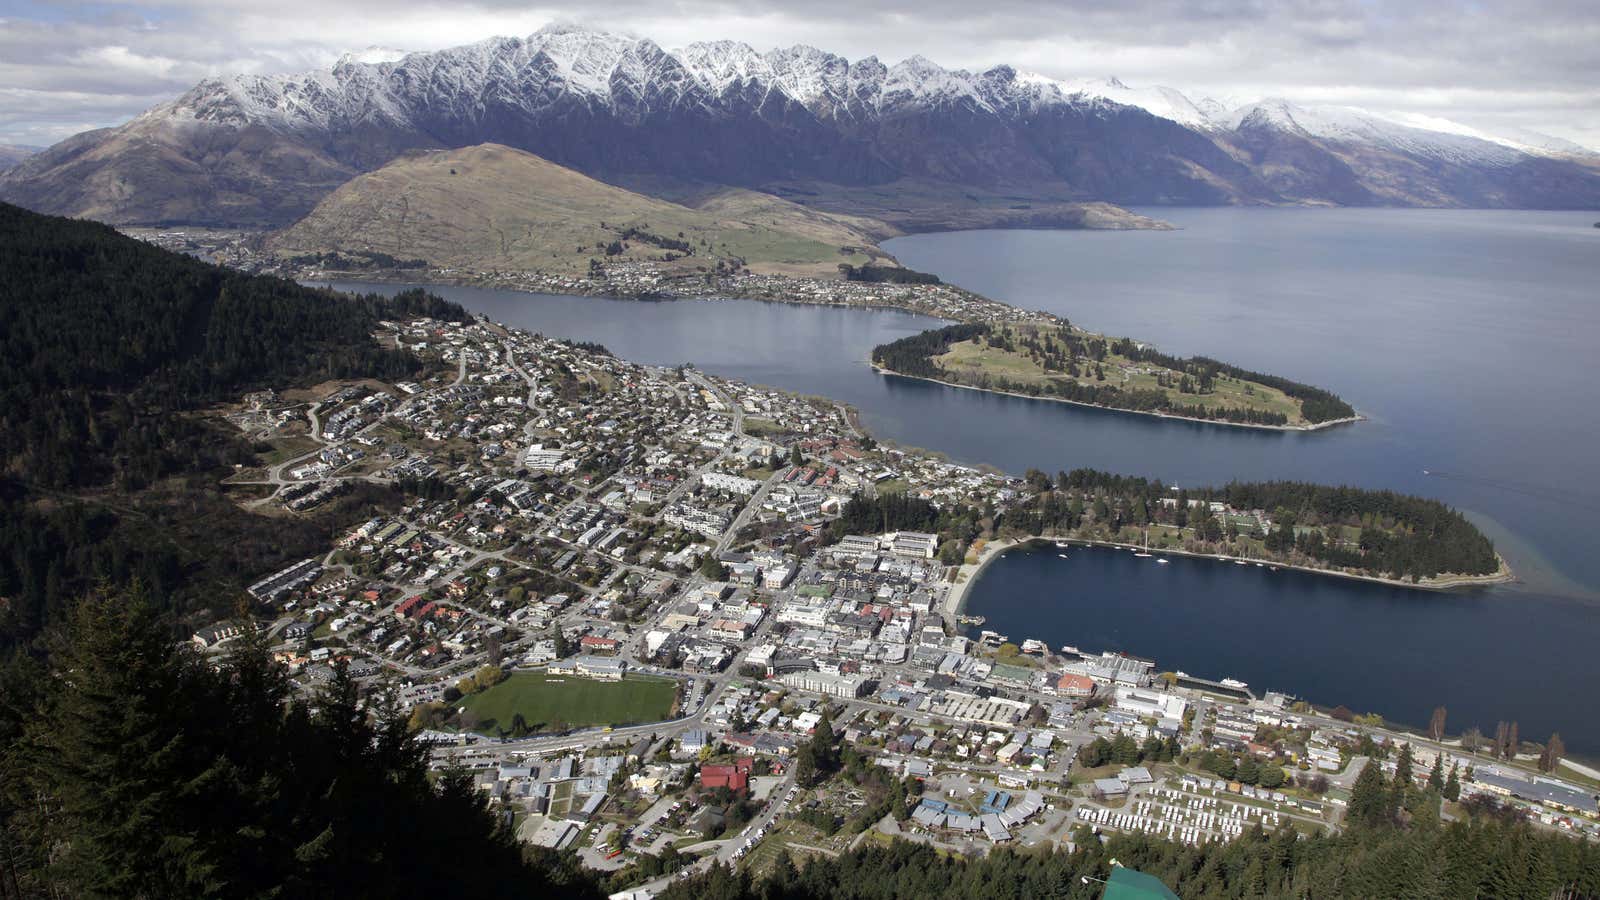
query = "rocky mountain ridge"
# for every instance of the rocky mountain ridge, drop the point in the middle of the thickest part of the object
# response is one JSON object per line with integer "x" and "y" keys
{"x": 263, "y": 149}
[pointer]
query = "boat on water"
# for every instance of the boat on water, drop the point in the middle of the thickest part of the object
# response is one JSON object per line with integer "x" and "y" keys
{"x": 1061, "y": 556}
{"x": 1144, "y": 547}
{"x": 1233, "y": 683}
{"x": 1061, "y": 545}
{"x": 1163, "y": 560}
{"x": 1239, "y": 562}
{"x": 1260, "y": 565}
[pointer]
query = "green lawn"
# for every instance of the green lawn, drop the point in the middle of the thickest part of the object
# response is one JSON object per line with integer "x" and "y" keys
{"x": 546, "y": 701}
{"x": 967, "y": 361}
{"x": 894, "y": 486}
{"x": 561, "y": 799}
{"x": 796, "y": 838}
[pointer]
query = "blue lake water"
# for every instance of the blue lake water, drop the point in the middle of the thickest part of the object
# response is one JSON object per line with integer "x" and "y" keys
{"x": 1483, "y": 655}
{"x": 1468, "y": 339}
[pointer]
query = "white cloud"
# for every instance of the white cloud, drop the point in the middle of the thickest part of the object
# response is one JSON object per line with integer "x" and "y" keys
{"x": 128, "y": 63}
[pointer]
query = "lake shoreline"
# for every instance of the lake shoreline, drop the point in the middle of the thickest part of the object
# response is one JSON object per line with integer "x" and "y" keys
{"x": 600, "y": 291}
{"x": 1319, "y": 426}
{"x": 956, "y": 600}
{"x": 973, "y": 307}
{"x": 967, "y": 575}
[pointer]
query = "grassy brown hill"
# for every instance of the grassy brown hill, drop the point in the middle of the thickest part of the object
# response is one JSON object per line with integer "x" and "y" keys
{"x": 493, "y": 207}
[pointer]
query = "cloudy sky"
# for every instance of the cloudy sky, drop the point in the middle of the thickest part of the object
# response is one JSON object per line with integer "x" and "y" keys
{"x": 1508, "y": 66}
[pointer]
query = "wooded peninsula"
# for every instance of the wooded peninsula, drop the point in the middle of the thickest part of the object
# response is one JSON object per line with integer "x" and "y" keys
{"x": 1376, "y": 535}
{"x": 1380, "y": 535}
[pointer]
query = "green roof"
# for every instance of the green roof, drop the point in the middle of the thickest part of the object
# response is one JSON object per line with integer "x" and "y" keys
{"x": 1007, "y": 672}
{"x": 1131, "y": 884}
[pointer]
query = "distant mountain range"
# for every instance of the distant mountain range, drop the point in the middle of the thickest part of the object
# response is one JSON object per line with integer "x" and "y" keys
{"x": 11, "y": 154}
{"x": 798, "y": 122}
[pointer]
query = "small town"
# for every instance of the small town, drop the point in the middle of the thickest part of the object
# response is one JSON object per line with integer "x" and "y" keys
{"x": 737, "y": 451}
{"x": 621, "y": 597}
{"x": 637, "y": 279}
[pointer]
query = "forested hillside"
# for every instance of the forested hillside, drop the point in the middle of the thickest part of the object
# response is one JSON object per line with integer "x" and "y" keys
{"x": 154, "y": 773}
{"x": 103, "y": 336}
{"x": 1395, "y": 843}
{"x": 1423, "y": 860}
{"x": 107, "y": 346}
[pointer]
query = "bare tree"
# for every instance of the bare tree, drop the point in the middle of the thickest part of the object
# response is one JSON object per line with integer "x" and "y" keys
{"x": 1471, "y": 739}
{"x": 1554, "y": 749}
{"x": 1501, "y": 730}
{"x": 1436, "y": 724}
{"x": 1513, "y": 743}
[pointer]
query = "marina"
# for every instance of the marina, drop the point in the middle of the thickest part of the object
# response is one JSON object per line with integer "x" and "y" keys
{"x": 1329, "y": 641}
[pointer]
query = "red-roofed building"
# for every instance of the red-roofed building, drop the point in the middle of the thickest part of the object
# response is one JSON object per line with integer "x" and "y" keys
{"x": 596, "y": 644}
{"x": 735, "y": 778}
{"x": 1075, "y": 685}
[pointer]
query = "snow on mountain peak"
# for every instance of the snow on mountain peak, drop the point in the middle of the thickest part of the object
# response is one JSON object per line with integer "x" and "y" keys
{"x": 1163, "y": 102}
{"x": 371, "y": 56}
{"x": 585, "y": 57}
{"x": 814, "y": 78}
{"x": 919, "y": 80}
{"x": 623, "y": 70}
{"x": 1408, "y": 133}
{"x": 720, "y": 64}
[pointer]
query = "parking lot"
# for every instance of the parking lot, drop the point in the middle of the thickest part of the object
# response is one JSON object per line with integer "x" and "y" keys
{"x": 1182, "y": 816}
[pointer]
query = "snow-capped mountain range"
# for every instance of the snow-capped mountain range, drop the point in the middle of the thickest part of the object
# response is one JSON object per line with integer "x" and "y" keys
{"x": 264, "y": 148}
{"x": 614, "y": 69}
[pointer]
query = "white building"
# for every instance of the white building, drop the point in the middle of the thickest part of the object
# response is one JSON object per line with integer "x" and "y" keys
{"x": 848, "y": 687}
{"x": 1169, "y": 708}
{"x": 855, "y": 546}
{"x": 915, "y": 544}
{"x": 811, "y": 615}
{"x": 604, "y": 668}
{"x": 733, "y": 484}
